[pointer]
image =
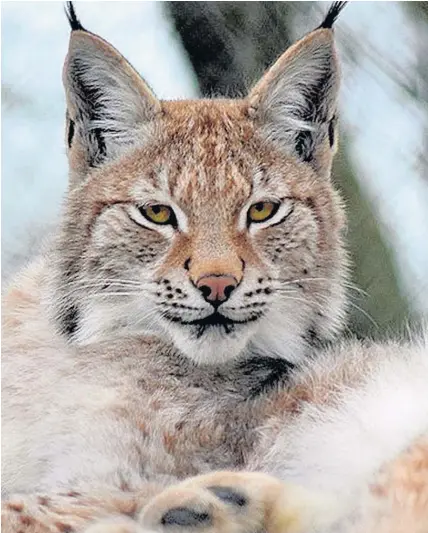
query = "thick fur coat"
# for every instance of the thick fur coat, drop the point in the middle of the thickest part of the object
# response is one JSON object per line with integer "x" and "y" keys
{"x": 163, "y": 367}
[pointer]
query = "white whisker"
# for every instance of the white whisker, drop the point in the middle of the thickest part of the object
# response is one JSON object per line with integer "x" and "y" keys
{"x": 365, "y": 313}
{"x": 105, "y": 281}
{"x": 345, "y": 283}
{"x": 117, "y": 293}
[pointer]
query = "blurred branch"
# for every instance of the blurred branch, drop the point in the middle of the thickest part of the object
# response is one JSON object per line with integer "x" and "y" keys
{"x": 417, "y": 13}
{"x": 223, "y": 40}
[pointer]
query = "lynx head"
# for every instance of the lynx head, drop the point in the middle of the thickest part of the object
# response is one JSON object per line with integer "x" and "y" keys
{"x": 212, "y": 222}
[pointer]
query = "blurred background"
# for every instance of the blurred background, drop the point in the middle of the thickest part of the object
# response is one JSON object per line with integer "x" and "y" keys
{"x": 191, "y": 49}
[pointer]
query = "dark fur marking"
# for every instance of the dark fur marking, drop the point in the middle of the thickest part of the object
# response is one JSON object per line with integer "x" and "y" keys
{"x": 331, "y": 128}
{"x": 284, "y": 218}
{"x": 311, "y": 336}
{"x": 269, "y": 371}
{"x": 74, "y": 22}
{"x": 332, "y": 14}
{"x": 70, "y": 320}
{"x": 313, "y": 339}
{"x": 70, "y": 132}
{"x": 309, "y": 202}
{"x": 304, "y": 145}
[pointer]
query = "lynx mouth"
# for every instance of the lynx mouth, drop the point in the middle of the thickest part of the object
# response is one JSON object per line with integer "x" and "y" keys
{"x": 215, "y": 320}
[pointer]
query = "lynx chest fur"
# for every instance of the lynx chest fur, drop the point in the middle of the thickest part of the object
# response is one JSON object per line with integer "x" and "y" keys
{"x": 119, "y": 421}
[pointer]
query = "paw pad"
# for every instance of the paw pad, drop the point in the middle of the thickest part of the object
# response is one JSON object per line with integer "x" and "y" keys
{"x": 228, "y": 495}
{"x": 183, "y": 516}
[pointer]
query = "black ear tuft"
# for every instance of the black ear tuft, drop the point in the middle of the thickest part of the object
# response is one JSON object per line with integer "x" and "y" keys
{"x": 72, "y": 17}
{"x": 333, "y": 13}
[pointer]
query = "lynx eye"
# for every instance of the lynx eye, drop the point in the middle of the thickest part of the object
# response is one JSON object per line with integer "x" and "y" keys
{"x": 159, "y": 214}
{"x": 262, "y": 211}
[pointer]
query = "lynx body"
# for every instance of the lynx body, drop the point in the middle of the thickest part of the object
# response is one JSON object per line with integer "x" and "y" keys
{"x": 173, "y": 327}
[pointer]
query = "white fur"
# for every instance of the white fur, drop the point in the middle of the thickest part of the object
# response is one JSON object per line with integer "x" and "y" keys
{"x": 339, "y": 446}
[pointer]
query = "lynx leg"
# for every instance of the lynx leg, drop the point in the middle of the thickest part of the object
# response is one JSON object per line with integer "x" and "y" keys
{"x": 237, "y": 502}
{"x": 72, "y": 511}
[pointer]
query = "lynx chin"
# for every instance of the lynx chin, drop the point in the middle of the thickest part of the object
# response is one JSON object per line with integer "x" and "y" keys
{"x": 165, "y": 366}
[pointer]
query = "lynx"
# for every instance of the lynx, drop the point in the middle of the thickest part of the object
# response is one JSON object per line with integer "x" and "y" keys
{"x": 163, "y": 359}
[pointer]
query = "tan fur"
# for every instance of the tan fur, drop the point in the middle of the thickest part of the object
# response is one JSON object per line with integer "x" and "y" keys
{"x": 112, "y": 401}
{"x": 400, "y": 494}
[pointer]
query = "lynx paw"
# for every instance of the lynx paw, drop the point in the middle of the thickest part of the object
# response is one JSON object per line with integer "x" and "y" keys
{"x": 232, "y": 502}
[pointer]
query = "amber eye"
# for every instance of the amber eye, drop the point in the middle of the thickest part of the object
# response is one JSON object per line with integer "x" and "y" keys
{"x": 262, "y": 211}
{"x": 159, "y": 214}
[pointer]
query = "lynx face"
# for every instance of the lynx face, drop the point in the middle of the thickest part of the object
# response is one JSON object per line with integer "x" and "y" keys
{"x": 212, "y": 223}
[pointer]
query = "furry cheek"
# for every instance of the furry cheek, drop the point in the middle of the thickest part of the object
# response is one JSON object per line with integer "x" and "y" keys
{"x": 292, "y": 245}
{"x": 119, "y": 245}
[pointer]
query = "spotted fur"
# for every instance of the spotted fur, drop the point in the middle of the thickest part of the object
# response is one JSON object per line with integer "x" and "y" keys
{"x": 121, "y": 381}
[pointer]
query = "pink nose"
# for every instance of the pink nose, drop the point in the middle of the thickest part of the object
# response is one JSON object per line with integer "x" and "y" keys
{"x": 216, "y": 288}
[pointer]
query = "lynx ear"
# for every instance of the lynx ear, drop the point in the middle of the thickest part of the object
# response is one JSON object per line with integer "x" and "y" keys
{"x": 295, "y": 101}
{"x": 109, "y": 106}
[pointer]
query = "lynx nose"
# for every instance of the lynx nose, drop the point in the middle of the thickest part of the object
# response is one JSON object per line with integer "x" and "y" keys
{"x": 216, "y": 289}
